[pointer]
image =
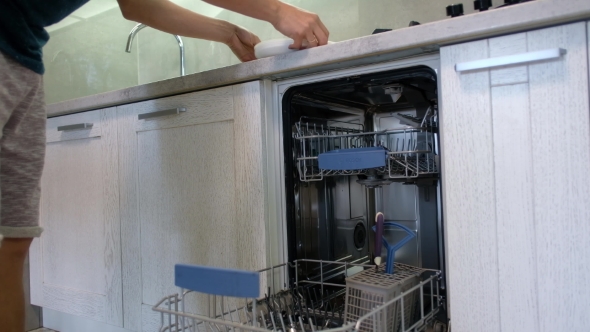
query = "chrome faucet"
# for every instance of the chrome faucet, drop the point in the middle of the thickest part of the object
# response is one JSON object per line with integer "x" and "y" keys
{"x": 140, "y": 26}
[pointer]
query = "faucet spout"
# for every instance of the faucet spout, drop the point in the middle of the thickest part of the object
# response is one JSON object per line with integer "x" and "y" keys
{"x": 140, "y": 26}
{"x": 181, "y": 47}
{"x": 132, "y": 34}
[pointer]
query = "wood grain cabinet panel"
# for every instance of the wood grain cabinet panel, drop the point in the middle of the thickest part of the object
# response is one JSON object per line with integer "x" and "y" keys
{"x": 76, "y": 263}
{"x": 125, "y": 199}
{"x": 191, "y": 191}
{"x": 516, "y": 144}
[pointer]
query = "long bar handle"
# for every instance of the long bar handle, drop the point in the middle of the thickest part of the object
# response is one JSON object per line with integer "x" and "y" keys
{"x": 77, "y": 126}
{"x": 508, "y": 60}
{"x": 156, "y": 114}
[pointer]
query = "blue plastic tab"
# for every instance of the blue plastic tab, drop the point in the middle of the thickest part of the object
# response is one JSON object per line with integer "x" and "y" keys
{"x": 353, "y": 159}
{"x": 217, "y": 281}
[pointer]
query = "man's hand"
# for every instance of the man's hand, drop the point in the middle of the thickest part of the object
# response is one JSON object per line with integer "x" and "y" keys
{"x": 305, "y": 28}
{"x": 242, "y": 43}
{"x": 300, "y": 25}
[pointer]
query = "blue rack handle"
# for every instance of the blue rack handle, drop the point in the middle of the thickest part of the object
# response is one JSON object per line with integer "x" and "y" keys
{"x": 391, "y": 249}
{"x": 217, "y": 281}
{"x": 353, "y": 159}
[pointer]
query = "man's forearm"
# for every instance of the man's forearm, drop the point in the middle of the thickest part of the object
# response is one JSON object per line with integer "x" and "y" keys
{"x": 169, "y": 17}
{"x": 293, "y": 22}
{"x": 298, "y": 24}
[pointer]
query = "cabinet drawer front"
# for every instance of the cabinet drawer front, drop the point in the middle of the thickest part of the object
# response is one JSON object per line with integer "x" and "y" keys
{"x": 184, "y": 110}
{"x": 74, "y": 126}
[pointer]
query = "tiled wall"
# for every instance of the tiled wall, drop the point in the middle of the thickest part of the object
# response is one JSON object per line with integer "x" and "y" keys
{"x": 89, "y": 57}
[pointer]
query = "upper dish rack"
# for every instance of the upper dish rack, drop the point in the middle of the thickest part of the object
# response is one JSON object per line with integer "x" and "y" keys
{"x": 330, "y": 148}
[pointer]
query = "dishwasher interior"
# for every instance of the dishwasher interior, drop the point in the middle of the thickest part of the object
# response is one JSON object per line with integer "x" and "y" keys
{"x": 333, "y": 131}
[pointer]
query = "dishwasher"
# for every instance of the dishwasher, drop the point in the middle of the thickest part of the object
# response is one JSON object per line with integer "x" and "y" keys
{"x": 361, "y": 172}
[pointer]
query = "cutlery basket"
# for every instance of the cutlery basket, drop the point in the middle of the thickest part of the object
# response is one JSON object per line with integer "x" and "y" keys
{"x": 371, "y": 289}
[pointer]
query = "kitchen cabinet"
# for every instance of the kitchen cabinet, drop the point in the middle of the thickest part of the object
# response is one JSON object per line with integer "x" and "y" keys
{"x": 516, "y": 145}
{"x": 76, "y": 265}
{"x": 191, "y": 190}
{"x": 124, "y": 199}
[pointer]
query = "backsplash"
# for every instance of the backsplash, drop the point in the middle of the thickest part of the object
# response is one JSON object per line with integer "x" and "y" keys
{"x": 88, "y": 56}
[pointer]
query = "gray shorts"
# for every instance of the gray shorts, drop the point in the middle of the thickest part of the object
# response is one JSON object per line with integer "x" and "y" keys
{"x": 22, "y": 149}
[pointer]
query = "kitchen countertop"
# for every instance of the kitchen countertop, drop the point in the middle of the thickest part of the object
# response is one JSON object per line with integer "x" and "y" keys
{"x": 369, "y": 49}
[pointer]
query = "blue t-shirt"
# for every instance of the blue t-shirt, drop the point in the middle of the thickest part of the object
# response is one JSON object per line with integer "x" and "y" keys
{"x": 22, "y": 27}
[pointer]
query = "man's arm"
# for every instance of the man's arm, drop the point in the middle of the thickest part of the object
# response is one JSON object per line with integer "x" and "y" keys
{"x": 291, "y": 21}
{"x": 169, "y": 17}
{"x": 166, "y": 16}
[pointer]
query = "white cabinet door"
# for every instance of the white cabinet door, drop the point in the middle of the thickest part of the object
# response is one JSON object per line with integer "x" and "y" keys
{"x": 76, "y": 263}
{"x": 192, "y": 190}
{"x": 516, "y": 145}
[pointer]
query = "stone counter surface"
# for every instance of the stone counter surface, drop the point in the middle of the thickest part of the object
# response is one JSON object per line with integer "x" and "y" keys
{"x": 369, "y": 49}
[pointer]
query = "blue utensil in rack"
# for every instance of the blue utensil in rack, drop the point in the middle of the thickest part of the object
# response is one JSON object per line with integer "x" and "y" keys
{"x": 392, "y": 248}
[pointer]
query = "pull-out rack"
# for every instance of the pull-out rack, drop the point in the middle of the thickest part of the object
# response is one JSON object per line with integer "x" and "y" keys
{"x": 408, "y": 152}
{"x": 310, "y": 304}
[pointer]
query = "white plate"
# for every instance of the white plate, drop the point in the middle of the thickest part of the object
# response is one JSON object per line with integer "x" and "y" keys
{"x": 275, "y": 47}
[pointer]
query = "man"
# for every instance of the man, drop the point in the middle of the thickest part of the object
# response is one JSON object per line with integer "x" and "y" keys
{"x": 22, "y": 111}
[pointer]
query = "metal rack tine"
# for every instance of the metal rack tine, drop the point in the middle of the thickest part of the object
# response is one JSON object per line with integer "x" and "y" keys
{"x": 248, "y": 317}
{"x": 263, "y": 319}
{"x": 311, "y": 324}
{"x": 272, "y": 319}
{"x": 229, "y": 313}
{"x": 310, "y": 303}
{"x": 301, "y": 324}
{"x": 282, "y": 323}
{"x": 315, "y": 295}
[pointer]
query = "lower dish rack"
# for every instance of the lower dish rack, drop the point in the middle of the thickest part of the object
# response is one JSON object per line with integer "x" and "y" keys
{"x": 408, "y": 152}
{"x": 313, "y": 304}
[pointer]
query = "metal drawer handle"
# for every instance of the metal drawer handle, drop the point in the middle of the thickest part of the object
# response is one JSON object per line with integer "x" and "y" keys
{"x": 156, "y": 114}
{"x": 523, "y": 58}
{"x": 77, "y": 126}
